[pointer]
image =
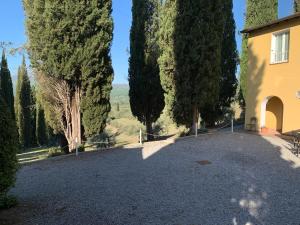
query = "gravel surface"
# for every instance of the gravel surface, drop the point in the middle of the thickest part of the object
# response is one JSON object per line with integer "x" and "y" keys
{"x": 225, "y": 178}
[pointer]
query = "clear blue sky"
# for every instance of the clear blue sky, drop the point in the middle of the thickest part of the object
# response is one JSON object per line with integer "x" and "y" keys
{"x": 12, "y": 29}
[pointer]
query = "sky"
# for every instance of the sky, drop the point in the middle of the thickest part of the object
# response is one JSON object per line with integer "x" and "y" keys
{"x": 12, "y": 29}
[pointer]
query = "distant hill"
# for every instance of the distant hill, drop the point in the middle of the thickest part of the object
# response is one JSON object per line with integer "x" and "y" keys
{"x": 119, "y": 94}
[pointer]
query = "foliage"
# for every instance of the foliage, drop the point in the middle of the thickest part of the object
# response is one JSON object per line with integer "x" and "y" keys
{"x": 190, "y": 39}
{"x": 228, "y": 82}
{"x": 55, "y": 151}
{"x": 6, "y": 85}
{"x": 33, "y": 111}
{"x": 7, "y": 202}
{"x": 70, "y": 42}
{"x": 167, "y": 57}
{"x": 23, "y": 106}
{"x": 259, "y": 12}
{"x": 8, "y": 151}
{"x": 47, "y": 99}
{"x": 97, "y": 71}
{"x": 41, "y": 126}
{"x": 297, "y": 5}
{"x": 146, "y": 93}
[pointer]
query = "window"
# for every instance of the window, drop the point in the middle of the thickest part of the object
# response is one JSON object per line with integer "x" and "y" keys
{"x": 280, "y": 47}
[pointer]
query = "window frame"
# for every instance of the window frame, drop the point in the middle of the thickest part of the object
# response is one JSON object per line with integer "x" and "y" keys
{"x": 273, "y": 46}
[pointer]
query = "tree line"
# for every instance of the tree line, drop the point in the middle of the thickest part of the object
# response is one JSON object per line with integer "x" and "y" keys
{"x": 183, "y": 56}
{"x": 25, "y": 107}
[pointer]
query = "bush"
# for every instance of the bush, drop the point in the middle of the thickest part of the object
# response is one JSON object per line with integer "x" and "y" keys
{"x": 7, "y": 202}
{"x": 81, "y": 148}
{"x": 8, "y": 151}
{"x": 53, "y": 152}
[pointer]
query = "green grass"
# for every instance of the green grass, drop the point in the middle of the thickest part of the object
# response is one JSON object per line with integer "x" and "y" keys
{"x": 37, "y": 154}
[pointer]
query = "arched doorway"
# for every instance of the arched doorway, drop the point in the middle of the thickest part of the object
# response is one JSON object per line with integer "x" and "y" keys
{"x": 272, "y": 113}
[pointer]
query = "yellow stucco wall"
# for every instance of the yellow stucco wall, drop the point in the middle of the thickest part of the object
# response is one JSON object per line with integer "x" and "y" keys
{"x": 265, "y": 80}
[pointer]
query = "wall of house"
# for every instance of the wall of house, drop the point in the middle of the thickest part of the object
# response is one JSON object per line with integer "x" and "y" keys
{"x": 281, "y": 80}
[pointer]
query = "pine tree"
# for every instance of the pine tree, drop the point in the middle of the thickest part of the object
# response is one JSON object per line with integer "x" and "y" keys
{"x": 259, "y": 12}
{"x": 146, "y": 93}
{"x": 228, "y": 81}
{"x": 8, "y": 151}
{"x": 193, "y": 71}
{"x": 23, "y": 106}
{"x": 70, "y": 42}
{"x": 297, "y": 6}
{"x": 6, "y": 85}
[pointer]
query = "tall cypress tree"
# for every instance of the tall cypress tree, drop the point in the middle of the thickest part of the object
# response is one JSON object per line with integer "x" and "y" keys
{"x": 41, "y": 130}
{"x": 23, "y": 106}
{"x": 259, "y": 12}
{"x": 71, "y": 41}
{"x": 6, "y": 85}
{"x": 146, "y": 93}
{"x": 191, "y": 74}
{"x": 228, "y": 81}
{"x": 41, "y": 127}
{"x": 8, "y": 151}
{"x": 33, "y": 115}
{"x": 297, "y": 6}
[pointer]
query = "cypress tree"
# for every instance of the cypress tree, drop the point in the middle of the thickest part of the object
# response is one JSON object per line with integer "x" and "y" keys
{"x": 297, "y": 6}
{"x": 146, "y": 93}
{"x": 191, "y": 74}
{"x": 97, "y": 71}
{"x": 23, "y": 106}
{"x": 229, "y": 60}
{"x": 8, "y": 151}
{"x": 6, "y": 85}
{"x": 41, "y": 127}
{"x": 70, "y": 41}
{"x": 259, "y": 12}
{"x": 33, "y": 114}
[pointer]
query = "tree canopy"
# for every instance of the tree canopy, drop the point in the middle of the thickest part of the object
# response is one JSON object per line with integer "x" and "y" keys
{"x": 70, "y": 41}
{"x": 191, "y": 37}
{"x": 8, "y": 150}
{"x": 23, "y": 106}
{"x": 6, "y": 84}
{"x": 146, "y": 93}
{"x": 229, "y": 60}
{"x": 297, "y": 5}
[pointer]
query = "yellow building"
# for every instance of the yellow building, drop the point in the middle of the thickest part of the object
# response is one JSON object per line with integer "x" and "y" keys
{"x": 273, "y": 81}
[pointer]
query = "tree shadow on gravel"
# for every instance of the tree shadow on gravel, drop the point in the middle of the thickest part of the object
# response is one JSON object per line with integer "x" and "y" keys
{"x": 249, "y": 180}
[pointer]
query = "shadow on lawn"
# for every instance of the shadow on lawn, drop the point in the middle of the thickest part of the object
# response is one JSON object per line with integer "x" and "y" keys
{"x": 249, "y": 180}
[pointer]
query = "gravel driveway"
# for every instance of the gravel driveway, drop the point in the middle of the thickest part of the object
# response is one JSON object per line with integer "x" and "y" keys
{"x": 225, "y": 178}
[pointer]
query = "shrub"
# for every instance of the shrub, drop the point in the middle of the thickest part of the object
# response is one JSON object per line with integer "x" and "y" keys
{"x": 81, "y": 148}
{"x": 8, "y": 151}
{"x": 53, "y": 152}
{"x": 7, "y": 202}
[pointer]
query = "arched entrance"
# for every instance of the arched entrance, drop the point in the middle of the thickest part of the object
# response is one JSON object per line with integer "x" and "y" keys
{"x": 272, "y": 113}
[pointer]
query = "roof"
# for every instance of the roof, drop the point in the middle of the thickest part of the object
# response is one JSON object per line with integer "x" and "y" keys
{"x": 271, "y": 24}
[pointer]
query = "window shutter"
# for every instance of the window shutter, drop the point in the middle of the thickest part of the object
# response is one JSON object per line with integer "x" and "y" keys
{"x": 273, "y": 47}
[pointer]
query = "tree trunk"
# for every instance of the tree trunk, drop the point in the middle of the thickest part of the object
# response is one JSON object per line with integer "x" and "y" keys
{"x": 76, "y": 118}
{"x": 72, "y": 122}
{"x": 195, "y": 119}
{"x": 149, "y": 130}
